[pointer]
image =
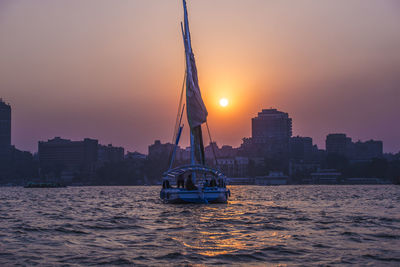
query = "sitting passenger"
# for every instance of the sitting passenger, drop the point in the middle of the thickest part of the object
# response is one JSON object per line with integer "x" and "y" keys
{"x": 189, "y": 183}
{"x": 180, "y": 181}
{"x": 166, "y": 184}
{"x": 213, "y": 183}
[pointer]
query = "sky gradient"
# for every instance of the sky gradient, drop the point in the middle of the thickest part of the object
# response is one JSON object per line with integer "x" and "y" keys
{"x": 113, "y": 70}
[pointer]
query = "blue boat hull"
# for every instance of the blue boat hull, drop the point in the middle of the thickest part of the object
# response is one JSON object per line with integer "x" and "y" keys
{"x": 207, "y": 195}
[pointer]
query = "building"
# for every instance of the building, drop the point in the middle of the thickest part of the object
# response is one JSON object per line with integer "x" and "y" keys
{"x": 339, "y": 144}
{"x": 110, "y": 153}
{"x": 240, "y": 181}
{"x": 135, "y": 156}
{"x": 183, "y": 155}
{"x": 233, "y": 167}
{"x": 300, "y": 171}
{"x": 271, "y": 131}
{"x": 160, "y": 150}
{"x": 227, "y": 152}
{"x": 365, "y": 151}
{"x": 57, "y": 155}
{"x": 274, "y": 178}
{"x": 326, "y": 176}
{"x": 5, "y": 127}
{"x": 365, "y": 180}
{"x": 241, "y": 166}
{"x": 301, "y": 148}
{"x": 212, "y": 151}
{"x": 227, "y": 166}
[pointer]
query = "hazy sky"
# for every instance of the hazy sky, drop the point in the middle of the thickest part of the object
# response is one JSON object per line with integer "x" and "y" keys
{"x": 113, "y": 70}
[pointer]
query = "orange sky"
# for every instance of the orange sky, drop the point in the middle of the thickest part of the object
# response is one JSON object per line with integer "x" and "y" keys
{"x": 113, "y": 70}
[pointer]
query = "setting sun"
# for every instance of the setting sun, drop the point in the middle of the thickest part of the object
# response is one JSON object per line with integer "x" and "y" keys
{"x": 223, "y": 102}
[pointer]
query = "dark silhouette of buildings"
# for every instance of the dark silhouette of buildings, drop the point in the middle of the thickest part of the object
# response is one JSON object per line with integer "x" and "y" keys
{"x": 5, "y": 128}
{"x": 270, "y": 149}
{"x": 339, "y": 144}
{"x": 301, "y": 148}
{"x": 368, "y": 150}
{"x": 110, "y": 153}
{"x": 135, "y": 156}
{"x": 271, "y": 131}
{"x": 158, "y": 149}
{"x": 57, "y": 155}
{"x": 15, "y": 166}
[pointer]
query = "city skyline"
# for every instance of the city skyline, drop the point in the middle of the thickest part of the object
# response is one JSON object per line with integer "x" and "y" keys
{"x": 334, "y": 67}
{"x": 258, "y": 136}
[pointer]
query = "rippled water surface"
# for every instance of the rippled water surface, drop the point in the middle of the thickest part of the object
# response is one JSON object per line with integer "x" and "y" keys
{"x": 285, "y": 225}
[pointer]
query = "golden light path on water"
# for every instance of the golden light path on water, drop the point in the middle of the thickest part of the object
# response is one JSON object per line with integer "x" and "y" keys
{"x": 217, "y": 241}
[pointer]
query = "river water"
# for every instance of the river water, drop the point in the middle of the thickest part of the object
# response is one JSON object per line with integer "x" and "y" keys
{"x": 283, "y": 225}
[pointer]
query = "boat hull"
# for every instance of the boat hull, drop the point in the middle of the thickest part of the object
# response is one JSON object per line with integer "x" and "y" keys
{"x": 206, "y": 195}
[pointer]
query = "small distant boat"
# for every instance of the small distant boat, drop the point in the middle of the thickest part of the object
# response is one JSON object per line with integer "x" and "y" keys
{"x": 195, "y": 183}
{"x": 44, "y": 185}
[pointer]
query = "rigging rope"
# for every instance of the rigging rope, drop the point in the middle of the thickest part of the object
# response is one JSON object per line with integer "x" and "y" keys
{"x": 177, "y": 122}
{"x": 212, "y": 144}
{"x": 178, "y": 116}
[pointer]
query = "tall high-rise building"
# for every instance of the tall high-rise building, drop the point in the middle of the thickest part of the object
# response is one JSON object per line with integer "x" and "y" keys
{"x": 5, "y": 126}
{"x": 272, "y": 130}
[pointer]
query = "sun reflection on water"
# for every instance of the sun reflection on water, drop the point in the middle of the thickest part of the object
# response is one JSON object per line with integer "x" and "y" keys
{"x": 216, "y": 231}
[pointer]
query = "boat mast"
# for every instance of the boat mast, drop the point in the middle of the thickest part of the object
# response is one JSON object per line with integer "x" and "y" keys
{"x": 195, "y": 108}
{"x": 188, "y": 51}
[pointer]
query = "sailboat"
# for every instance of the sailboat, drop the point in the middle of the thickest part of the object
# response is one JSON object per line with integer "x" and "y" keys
{"x": 195, "y": 182}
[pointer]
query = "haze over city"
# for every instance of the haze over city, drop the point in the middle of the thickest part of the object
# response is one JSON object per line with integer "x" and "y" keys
{"x": 113, "y": 70}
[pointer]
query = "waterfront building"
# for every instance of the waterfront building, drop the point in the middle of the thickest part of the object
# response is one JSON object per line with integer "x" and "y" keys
{"x": 240, "y": 181}
{"x": 339, "y": 144}
{"x": 271, "y": 131}
{"x": 227, "y": 166}
{"x": 234, "y": 166}
{"x": 326, "y": 176}
{"x": 110, "y": 153}
{"x": 274, "y": 178}
{"x": 365, "y": 151}
{"x": 365, "y": 180}
{"x": 183, "y": 155}
{"x": 301, "y": 148}
{"x": 210, "y": 150}
{"x": 227, "y": 151}
{"x": 241, "y": 166}
{"x": 5, "y": 127}
{"x": 59, "y": 154}
{"x": 135, "y": 156}
{"x": 160, "y": 150}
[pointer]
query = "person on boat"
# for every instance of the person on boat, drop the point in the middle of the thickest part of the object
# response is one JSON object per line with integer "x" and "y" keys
{"x": 166, "y": 184}
{"x": 180, "y": 181}
{"x": 221, "y": 182}
{"x": 189, "y": 183}
{"x": 213, "y": 183}
{"x": 206, "y": 184}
